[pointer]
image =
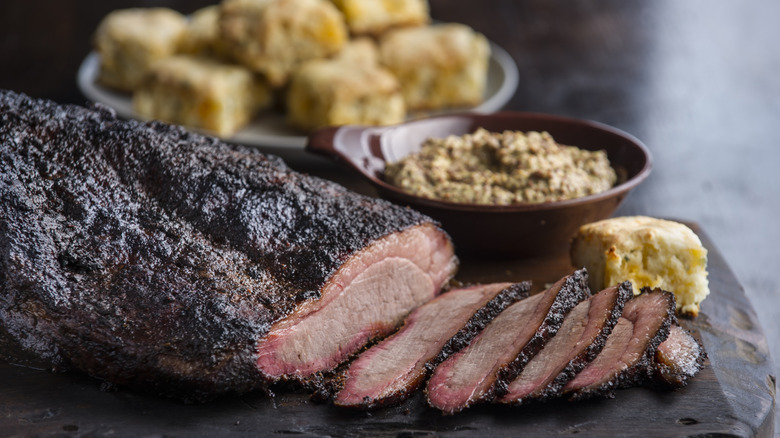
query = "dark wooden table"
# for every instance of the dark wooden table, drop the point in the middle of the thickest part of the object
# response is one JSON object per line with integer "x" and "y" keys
{"x": 697, "y": 81}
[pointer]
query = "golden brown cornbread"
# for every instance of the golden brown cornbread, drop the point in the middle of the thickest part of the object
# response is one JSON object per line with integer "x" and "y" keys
{"x": 202, "y": 34}
{"x": 438, "y": 66}
{"x": 129, "y": 41}
{"x": 274, "y": 37}
{"x": 202, "y": 93}
{"x": 648, "y": 252}
{"x": 373, "y": 17}
{"x": 349, "y": 89}
{"x": 361, "y": 50}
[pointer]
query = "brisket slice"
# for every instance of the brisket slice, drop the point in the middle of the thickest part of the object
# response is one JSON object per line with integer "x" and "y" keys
{"x": 150, "y": 256}
{"x": 581, "y": 337}
{"x": 366, "y": 300}
{"x": 485, "y": 366}
{"x": 677, "y": 359}
{"x": 627, "y": 357}
{"x": 390, "y": 371}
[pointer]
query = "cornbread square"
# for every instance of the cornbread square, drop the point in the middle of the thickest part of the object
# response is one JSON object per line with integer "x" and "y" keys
{"x": 274, "y": 37}
{"x": 361, "y": 50}
{"x": 648, "y": 252}
{"x": 202, "y": 34}
{"x": 202, "y": 93}
{"x": 349, "y": 89}
{"x": 129, "y": 41}
{"x": 439, "y": 66}
{"x": 373, "y": 17}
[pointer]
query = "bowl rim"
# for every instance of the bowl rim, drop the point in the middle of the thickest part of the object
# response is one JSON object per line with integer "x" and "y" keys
{"x": 321, "y": 141}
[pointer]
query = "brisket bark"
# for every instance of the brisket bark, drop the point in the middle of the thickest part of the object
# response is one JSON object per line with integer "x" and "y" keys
{"x": 627, "y": 357}
{"x": 481, "y": 371}
{"x": 392, "y": 370}
{"x": 581, "y": 337}
{"x": 151, "y": 256}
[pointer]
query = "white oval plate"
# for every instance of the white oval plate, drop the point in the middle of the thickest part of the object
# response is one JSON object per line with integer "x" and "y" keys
{"x": 269, "y": 129}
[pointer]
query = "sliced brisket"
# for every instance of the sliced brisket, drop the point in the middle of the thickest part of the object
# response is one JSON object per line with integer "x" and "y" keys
{"x": 581, "y": 337}
{"x": 367, "y": 299}
{"x": 678, "y": 359}
{"x": 151, "y": 256}
{"x": 477, "y": 372}
{"x": 627, "y": 357}
{"x": 390, "y": 371}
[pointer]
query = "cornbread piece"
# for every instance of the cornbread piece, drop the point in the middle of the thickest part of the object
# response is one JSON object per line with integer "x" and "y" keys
{"x": 363, "y": 51}
{"x": 480, "y": 371}
{"x": 202, "y": 93}
{"x": 648, "y": 252}
{"x": 439, "y": 66}
{"x": 391, "y": 371}
{"x": 374, "y": 17}
{"x": 202, "y": 34}
{"x": 274, "y": 37}
{"x": 348, "y": 89}
{"x": 129, "y": 41}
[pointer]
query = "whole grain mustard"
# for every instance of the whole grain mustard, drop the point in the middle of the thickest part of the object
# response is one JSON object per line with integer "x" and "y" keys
{"x": 505, "y": 168}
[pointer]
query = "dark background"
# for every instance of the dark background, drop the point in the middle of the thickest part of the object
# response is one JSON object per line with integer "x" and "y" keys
{"x": 698, "y": 81}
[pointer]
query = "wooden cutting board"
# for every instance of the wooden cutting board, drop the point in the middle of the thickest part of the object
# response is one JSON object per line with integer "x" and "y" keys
{"x": 734, "y": 395}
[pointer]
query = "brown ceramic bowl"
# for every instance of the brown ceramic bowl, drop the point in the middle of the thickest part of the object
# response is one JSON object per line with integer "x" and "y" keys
{"x": 516, "y": 230}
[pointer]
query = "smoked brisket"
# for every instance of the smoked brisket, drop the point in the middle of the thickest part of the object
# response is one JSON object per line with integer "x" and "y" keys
{"x": 481, "y": 371}
{"x": 151, "y": 256}
{"x": 627, "y": 358}
{"x": 390, "y": 371}
{"x": 677, "y": 359}
{"x": 581, "y": 337}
